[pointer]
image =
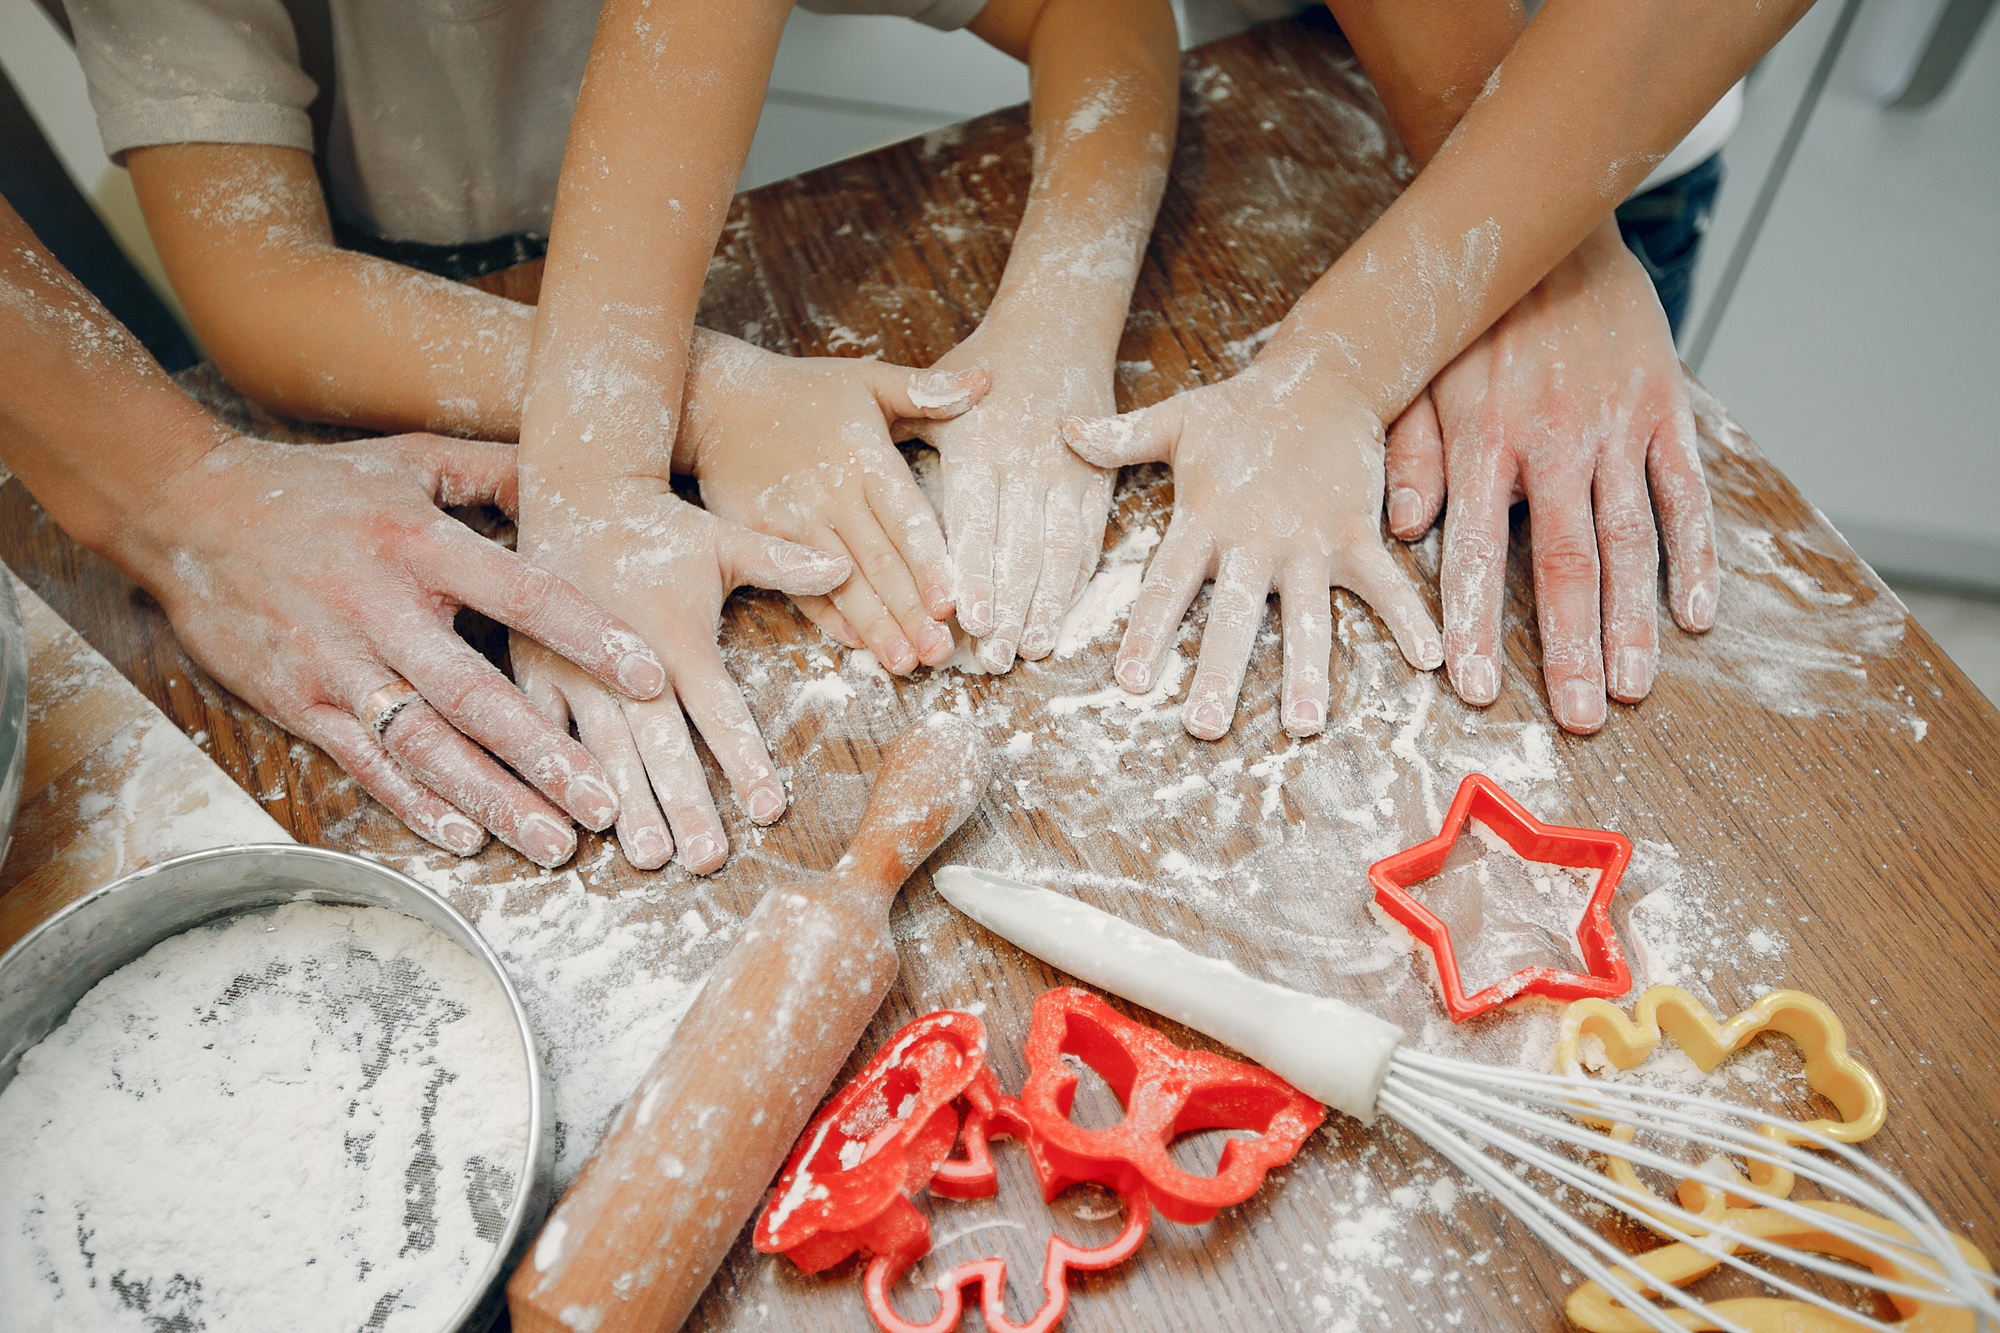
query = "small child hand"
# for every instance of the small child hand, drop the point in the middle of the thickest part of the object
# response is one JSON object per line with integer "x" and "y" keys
{"x": 800, "y": 448}
{"x": 1573, "y": 401}
{"x": 1025, "y": 515}
{"x": 1277, "y": 484}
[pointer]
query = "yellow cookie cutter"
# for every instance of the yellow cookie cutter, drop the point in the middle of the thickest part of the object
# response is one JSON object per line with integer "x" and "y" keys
{"x": 1830, "y": 1071}
{"x": 1596, "y": 1309}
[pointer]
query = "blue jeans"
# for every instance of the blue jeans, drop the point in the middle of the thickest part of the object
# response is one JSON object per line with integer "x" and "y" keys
{"x": 1663, "y": 227}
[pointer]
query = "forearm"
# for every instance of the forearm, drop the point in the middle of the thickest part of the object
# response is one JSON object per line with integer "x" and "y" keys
{"x": 670, "y": 100}
{"x": 313, "y": 331}
{"x": 1105, "y": 79}
{"x": 1530, "y": 171}
{"x": 88, "y": 421}
{"x": 1428, "y": 59}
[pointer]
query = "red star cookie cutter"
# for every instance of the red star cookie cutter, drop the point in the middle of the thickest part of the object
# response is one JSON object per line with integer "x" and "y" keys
{"x": 1479, "y": 797}
{"x": 889, "y": 1134}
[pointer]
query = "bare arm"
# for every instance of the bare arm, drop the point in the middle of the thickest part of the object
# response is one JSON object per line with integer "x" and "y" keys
{"x": 1025, "y": 519}
{"x": 313, "y": 331}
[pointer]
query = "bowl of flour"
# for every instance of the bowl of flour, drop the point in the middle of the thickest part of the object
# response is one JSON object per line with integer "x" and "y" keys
{"x": 264, "y": 1088}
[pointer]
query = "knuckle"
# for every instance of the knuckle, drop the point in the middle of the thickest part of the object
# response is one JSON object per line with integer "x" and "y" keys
{"x": 1566, "y": 559}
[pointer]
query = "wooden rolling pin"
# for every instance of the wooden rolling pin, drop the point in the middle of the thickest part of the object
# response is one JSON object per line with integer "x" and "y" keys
{"x": 634, "y": 1242}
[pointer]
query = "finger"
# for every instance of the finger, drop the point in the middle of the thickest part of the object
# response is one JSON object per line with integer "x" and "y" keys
{"x": 751, "y": 559}
{"x": 1415, "y": 469}
{"x": 679, "y": 783}
{"x": 859, "y": 605}
{"x": 1629, "y": 552}
{"x": 923, "y": 395}
{"x": 438, "y": 755}
{"x": 467, "y": 472}
{"x": 472, "y": 695}
{"x": 908, "y": 634}
{"x": 1474, "y": 578}
{"x": 642, "y": 829}
{"x": 1563, "y": 552}
{"x": 1145, "y": 436}
{"x": 1060, "y": 538}
{"x": 1305, "y": 599}
{"x": 1235, "y": 613}
{"x": 538, "y": 683}
{"x": 1093, "y": 515}
{"x": 1180, "y": 566}
{"x": 491, "y": 579}
{"x": 353, "y": 747}
{"x": 972, "y": 507}
{"x": 1370, "y": 574}
{"x": 907, "y": 517}
{"x": 717, "y": 709}
{"x": 822, "y": 612}
{"x": 1687, "y": 519}
{"x": 1017, "y": 563}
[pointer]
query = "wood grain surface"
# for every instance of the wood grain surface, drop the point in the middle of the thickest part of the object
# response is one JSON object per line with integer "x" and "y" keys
{"x": 1811, "y": 786}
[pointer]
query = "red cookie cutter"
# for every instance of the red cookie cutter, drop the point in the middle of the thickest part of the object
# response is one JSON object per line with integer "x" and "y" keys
{"x": 1479, "y": 797}
{"x": 892, "y": 1129}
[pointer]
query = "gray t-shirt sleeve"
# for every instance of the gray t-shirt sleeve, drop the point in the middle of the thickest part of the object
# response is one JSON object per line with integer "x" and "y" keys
{"x": 192, "y": 71}
{"x": 945, "y": 14}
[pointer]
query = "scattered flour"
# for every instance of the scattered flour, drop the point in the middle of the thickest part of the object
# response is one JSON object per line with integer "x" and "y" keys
{"x": 309, "y": 1117}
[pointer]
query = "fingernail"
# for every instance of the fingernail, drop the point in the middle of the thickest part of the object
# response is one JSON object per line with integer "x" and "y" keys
{"x": 1635, "y": 673}
{"x": 798, "y": 559}
{"x": 934, "y": 644}
{"x": 765, "y": 806}
{"x": 650, "y": 849}
{"x": 1406, "y": 509}
{"x": 938, "y": 598}
{"x": 460, "y": 834}
{"x": 1701, "y": 607}
{"x": 996, "y": 655}
{"x": 852, "y": 639}
{"x": 899, "y": 655}
{"x": 641, "y": 675}
{"x": 591, "y": 801}
{"x": 1580, "y": 706}
{"x": 699, "y": 851}
{"x": 979, "y": 619}
{"x": 546, "y": 842}
{"x": 1306, "y": 717}
{"x": 1478, "y": 681}
{"x": 1035, "y": 643}
{"x": 1208, "y": 720}
{"x": 1134, "y": 676}
{"x": 1430, "y": 654}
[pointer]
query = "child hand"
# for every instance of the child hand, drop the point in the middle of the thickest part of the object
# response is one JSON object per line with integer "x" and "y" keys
{"x": 668, "y": 566}
{"x": 1025, "y": 516}
{"x": 1573, "y": 401}
{"x": 801, "y": 449}
{"x": 1277, "y": 484}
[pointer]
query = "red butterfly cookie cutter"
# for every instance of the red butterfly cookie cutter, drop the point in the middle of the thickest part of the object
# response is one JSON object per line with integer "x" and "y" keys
{"x": 1479, "y": 797}
{"x": 889, "y": 1133}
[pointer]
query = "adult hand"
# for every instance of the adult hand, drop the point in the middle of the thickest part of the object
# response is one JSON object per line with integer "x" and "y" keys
{"x": 1574, "y": 401}
{"x": 668, "y": 565}
{"x": 801, "y": 449}
{"x": 1024, "y": 515}
{"x": 1277, "y": 483}
{"x": 307, "y": 578}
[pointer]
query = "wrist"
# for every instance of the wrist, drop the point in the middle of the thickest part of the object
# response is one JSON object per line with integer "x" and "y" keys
{"x": 137, "y": 515}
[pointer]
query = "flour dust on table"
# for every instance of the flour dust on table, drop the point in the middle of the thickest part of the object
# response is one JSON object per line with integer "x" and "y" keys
{"x": 308, "y": 1118}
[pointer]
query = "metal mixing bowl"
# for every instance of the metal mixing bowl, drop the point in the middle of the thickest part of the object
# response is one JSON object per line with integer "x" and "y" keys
{"x": 43, "y": 976}
{"x": 13, "y": 708}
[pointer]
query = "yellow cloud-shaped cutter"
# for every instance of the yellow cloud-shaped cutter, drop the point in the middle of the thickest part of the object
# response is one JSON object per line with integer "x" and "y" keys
{"x": 1830, "y": 1071}
{"x": 1598, "y": 1309}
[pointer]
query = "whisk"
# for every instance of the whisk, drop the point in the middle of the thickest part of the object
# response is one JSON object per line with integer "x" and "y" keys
{"x": 1530, "y": 1139}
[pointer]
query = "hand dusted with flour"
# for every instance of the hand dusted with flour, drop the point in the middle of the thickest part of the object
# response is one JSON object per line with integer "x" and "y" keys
{"x": 306, "y": 578}
{"x": 1531, "y": 170}
{"x": 801, "y": 449}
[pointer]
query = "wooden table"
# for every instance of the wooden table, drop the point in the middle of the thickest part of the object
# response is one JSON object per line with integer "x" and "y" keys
{"x": 1811, "y": 786}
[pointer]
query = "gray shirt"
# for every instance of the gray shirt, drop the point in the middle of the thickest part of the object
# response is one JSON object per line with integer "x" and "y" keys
{"x": 449, "y": 116}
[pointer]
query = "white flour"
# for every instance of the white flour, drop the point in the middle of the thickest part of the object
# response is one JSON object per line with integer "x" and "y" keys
{"x": 311, "y": 1118}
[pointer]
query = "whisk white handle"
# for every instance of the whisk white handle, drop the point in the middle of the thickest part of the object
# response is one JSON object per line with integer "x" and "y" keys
{"x": 1322, "y": 1047}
